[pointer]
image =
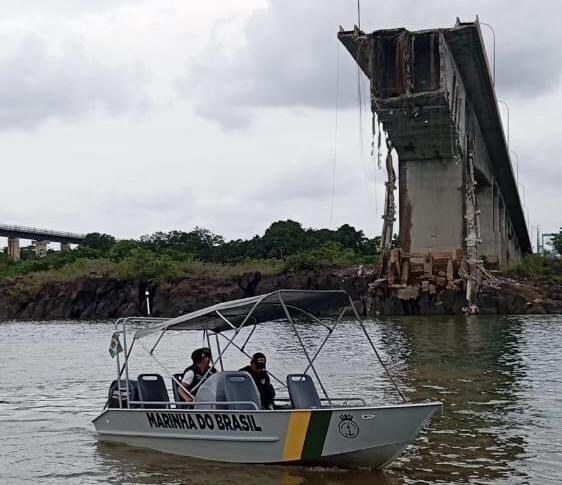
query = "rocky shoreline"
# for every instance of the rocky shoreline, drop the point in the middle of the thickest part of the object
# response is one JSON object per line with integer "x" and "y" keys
{"x": 97, "y": 298}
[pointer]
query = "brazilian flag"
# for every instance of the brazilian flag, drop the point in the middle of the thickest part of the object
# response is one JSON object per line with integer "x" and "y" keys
{"x": 115, "y": 346}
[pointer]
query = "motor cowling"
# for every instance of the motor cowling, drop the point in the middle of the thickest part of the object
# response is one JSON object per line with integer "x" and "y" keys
{"x": 115, "y": 394}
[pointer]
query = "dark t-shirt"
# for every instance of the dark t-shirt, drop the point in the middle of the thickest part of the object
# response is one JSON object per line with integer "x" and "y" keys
{"x": 267, "y": 393}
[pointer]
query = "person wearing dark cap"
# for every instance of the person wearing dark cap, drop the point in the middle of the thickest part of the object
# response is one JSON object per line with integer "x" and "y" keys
{"x": 197, "y": 373}
{"x": 257, "y": 369}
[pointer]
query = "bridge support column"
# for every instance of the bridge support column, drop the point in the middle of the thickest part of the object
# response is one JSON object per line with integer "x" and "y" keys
{"x": 41, "y": 248}
{"x": 502, "y": 234}
{"x": 65, "y": 246}
{"x": 497, "y": 234}
{"x": 485, "y": 197}
{"x": 14, "y": 249}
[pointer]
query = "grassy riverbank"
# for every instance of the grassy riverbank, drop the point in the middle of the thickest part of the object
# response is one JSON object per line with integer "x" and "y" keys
{"x": 546, "y": 269}
{"x": 165, "y": 257}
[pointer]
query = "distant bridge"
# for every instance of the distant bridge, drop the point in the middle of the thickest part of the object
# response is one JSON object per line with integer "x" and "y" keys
{"x": 40, "y": 237}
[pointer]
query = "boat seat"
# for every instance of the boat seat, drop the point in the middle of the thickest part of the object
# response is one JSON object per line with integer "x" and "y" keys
{"x": 302, "y": 392}
{"x": 152, "y": 388}
{"x": 225, "y": 387}
{"x": 240, "y": 386}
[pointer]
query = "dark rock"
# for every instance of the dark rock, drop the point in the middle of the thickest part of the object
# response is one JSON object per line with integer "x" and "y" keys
{"x": 102, "y": 298}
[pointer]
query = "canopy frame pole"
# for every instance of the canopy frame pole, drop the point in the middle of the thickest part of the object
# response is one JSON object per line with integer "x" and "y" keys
{"x": 249, "y": 356}
{"x": 209, "y": 345}
{"x": 157, "y": 341}
{"x": 171, "y": 374}
{"x": 226, "y": 320}
{"x": 127, "y": 357}
{"x": 125, "y": 349}
{"x": 303, "y": 346}
{"x": 360, "y": 321}
{"x": 118, "y": 383}
{"x": 219, "y": 351}
{"x": 119, "y": 371}
{"x": 128, "y": 350}
{"x": 309, "y": 315}
{"x": 249, "y": 337}
{"x": 236, "y": 332}
{"x": 330, "y": 331}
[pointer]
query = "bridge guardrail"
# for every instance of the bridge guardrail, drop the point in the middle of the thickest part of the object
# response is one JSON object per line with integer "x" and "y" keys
{"x": 40, "y": 232}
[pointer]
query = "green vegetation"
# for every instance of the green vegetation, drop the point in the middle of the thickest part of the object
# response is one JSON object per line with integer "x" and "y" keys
{"x": 163, "y": 257}
{"x": 545, "y": 268}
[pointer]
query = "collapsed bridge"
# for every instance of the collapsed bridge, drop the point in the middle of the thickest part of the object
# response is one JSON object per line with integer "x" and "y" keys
{"x": 434, "y": 95}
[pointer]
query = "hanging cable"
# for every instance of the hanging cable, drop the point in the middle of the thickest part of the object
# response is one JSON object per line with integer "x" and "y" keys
{"x": 335, "y": 136}
{"x": 370, "y": 169}
{"x": 360, "y": 102}
{"x": 363, "y": 100}
{"x": 374, "y": 157}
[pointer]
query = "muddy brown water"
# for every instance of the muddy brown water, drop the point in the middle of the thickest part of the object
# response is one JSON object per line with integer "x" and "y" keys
{"x": 500, "y": 380}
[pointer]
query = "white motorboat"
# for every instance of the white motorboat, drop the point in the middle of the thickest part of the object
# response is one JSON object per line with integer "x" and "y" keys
{"x": 226, "y": 423}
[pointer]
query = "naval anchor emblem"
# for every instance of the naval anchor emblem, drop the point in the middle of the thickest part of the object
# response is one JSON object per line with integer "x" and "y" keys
{"x": 348, "y": 428}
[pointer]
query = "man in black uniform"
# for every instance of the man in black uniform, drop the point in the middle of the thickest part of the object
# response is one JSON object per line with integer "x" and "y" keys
{"x": 197, "y": 373}
{"x": 259, "y": 373}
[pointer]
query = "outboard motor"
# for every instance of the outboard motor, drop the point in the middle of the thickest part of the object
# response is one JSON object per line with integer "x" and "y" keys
{"x": 114, "y": 397}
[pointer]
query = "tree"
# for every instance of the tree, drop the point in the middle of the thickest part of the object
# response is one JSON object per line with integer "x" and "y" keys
{"x": 100, "y": 242}
{"x": 283, "y": 238}
{"x": 371, "y": 247}
{"x": 349, "y": 237}
{"x": 200, "y": 242}
{"x": 122, "y": 249}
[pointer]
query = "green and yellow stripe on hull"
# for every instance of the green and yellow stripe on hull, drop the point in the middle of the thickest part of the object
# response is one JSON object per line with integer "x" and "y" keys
{"x": 306, "y": 434}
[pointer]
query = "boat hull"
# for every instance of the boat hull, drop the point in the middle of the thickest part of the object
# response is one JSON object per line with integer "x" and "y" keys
{"x": 348, "y": 437}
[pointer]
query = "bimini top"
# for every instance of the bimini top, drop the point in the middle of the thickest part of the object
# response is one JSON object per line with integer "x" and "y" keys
{"x": 263, "y": 308}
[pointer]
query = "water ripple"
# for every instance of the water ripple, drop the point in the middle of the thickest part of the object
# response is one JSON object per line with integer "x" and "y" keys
{"x": 500, "y": 380}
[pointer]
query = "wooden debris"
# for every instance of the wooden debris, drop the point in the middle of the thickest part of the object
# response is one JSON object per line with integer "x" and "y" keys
{"x": 411, "y": 292}
{"x": 450, "y": 274}
{"x": 405, "y": 272}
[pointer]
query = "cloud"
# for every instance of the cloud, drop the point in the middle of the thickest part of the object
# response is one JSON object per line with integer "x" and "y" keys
{"x": 289, "y": 55}
{"x": 284, "y": 62}
{"x": 41, "y": 80}
{"x": 306, "y": 181}
{"x": 67, "y": 7}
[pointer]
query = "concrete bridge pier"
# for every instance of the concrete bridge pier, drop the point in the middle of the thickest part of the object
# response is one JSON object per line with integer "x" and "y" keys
{"x": 65, "y": 246}
{"x": 41, "y": 248}
{"x": 488, "y": 233}
{"x": 14, "y": 249}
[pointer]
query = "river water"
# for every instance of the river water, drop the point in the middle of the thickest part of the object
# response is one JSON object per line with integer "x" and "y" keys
{"x": 500, "y": 380}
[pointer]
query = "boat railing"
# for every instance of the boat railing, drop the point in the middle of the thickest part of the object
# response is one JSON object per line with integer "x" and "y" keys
{"x": 344, "y": 400}
{"x": 196, "y": 405}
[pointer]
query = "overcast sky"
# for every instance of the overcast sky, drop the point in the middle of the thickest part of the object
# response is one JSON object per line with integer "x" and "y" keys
{"x": 129, "y": 117}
